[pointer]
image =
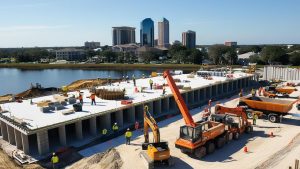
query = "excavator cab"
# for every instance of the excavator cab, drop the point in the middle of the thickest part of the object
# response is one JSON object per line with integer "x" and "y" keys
{"x": 191, "y": 133}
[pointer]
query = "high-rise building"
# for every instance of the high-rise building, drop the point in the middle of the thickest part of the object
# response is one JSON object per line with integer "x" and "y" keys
{"x": 123, "y": 35}
{"x": 189, "y": 39}
{"x": 147, "y": 32}
{"x": 231, "y": 44}
{"x": 163, "y": 33}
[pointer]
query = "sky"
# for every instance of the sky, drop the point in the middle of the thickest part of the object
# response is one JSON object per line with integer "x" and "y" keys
{"x": 46, "y": 23}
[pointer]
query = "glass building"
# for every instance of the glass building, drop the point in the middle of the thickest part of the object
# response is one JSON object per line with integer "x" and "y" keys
{"x": 147, "y": 32}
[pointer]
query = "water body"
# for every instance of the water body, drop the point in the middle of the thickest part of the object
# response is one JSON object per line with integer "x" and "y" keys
{"x": 17, "y": 80}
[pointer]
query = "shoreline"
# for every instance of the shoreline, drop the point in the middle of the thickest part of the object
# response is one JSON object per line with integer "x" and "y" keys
{"x": 108, "y": 66}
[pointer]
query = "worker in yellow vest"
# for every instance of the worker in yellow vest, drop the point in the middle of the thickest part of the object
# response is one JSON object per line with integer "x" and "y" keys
{"x": 253, "y": 92}
{"x": 54, "y": 161}
{"x": 115, "y": 128}
{"x": 128, "y": 135}
{"x": 104, "y": 132}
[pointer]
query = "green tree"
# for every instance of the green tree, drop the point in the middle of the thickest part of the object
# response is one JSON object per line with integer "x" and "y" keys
{"x": 195, "y": 56}
{"x": 271, "y": 54}
{"x": 295, "y": 59}
{"x": 175, "y": 49}
{"x": 110, "y": 56}
{"x": 231, "y": 56}
{"x": 149, "y": 56}
{"x": 216, "y": 53}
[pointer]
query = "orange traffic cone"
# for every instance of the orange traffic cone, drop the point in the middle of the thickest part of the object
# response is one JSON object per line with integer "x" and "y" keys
{"x": 245, "y": 149}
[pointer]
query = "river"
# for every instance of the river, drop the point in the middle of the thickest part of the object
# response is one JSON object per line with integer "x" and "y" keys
{"x": 17, "y": 80}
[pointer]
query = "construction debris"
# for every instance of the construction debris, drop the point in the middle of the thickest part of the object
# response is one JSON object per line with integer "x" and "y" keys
{"x": 109, "y": 159}
{"x": 113, "y": 94}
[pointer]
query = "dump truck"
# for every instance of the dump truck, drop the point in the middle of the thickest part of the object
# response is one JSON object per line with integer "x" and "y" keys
{"x": 158, "y": 152}
{"x": 272, "y": 108}
{"x": 278, "y": 92}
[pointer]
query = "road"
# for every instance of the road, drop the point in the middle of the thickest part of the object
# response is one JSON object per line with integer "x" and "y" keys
{"x": 261, "y": 147}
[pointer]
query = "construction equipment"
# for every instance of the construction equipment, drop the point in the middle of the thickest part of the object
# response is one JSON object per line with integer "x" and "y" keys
{"x": 157, "y": 152}
{"x": 283, "y": 92}
{"x": 251, "y": 68}
{"x": 236, "y": 119}
{"x": 196, "y": 138}
{"x": 273, "y": 108}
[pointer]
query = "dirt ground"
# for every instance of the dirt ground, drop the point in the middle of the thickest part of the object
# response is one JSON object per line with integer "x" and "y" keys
{"x": 263, "y": 151}
{"x": 6, "y": 162}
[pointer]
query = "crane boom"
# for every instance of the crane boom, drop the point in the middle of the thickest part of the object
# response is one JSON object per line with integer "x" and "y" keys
{"x": 179, "y": 100}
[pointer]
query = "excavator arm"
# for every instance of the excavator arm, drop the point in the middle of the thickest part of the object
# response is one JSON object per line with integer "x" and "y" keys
{"x": 179, "y": 100}
{"x": 149, "y": 121}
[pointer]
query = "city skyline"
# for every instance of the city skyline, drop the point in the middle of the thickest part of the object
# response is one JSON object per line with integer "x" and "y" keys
{"x": 37, "y": 24}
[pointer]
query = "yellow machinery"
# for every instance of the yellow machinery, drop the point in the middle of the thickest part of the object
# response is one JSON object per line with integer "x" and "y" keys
{"x": 157, "y": 152}
{"x": 251, "y": 68}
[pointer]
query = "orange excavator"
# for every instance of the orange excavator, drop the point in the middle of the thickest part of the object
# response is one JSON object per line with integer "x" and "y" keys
{"x": 158, "y": 153}
{"x": 196, "y": 138}
{"x": 235, "y": 119}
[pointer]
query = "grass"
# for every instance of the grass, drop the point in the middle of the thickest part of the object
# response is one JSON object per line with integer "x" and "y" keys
{"x": 110, "y": 66}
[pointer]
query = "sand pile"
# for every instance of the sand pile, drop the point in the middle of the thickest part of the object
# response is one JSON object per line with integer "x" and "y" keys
{"x": 109, "y": 159}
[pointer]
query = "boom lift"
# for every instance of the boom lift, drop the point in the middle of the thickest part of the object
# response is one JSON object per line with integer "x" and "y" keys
{"x": 157, "y": 152}
{"x": 196, "y": 138}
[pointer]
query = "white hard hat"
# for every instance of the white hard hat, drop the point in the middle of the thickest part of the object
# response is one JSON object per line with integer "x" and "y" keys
{"x": 115, "y": 123}
{"x": 128, "y": 129}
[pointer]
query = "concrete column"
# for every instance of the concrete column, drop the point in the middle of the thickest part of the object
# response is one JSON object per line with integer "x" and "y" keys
{"x": 131, "y": 114}
{"x": 4, "y": 131}
{"x": 11, "y": 135}
{"x": 119, "y": 118}
{"x": 150, "y": 106}
{"x": 18, "y": 139}
{"x": 105, "y": 121}
{"x": 185, "y": 98}
{"x": 62, "y": 135}
{"x": 43, "y": 142}
{"x": 157, "y": 107}
{"x": 25, "y": 143}
{"x": 93, "y": 126}
{"x": 78, "y": 128}
{"x": 191, "y": 97}
{"x": 165, "y": 105}
{"x": 139, "y": 113}
{"x": 203, "y": 96}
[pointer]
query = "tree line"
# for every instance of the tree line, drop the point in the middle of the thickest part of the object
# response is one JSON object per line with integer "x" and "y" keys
{"x": 216, "y": 54}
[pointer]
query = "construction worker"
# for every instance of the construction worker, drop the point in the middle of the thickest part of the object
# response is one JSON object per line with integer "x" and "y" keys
{"x": 54, "y": 161}
{"x": 253, "y": 92}
{"x": 240, "y": 94}
{"x": 205, "y": 114}
{"x": 151, "y": 83}
{"x": 136, "y": 125}
{"x": 104, "y": 132}
{"x": 133, "y": 79}
{"x": 109, "y": 80}
{"x": 80, "y": 98}
{"x": 209, "y": 106}
{"x": 115, "y": 128}
{"x": 164, "y": 90}
{"x": 259, "y": 91}
{"x": 128, "y": 135}
{"x": 93, "y": 98}
{"x": 255, "y": 117}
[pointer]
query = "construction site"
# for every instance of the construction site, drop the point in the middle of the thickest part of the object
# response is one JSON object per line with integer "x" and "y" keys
{"x": 205, "y": 119}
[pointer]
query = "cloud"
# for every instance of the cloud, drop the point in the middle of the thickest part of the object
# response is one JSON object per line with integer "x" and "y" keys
{"x": 32, "y": 27}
